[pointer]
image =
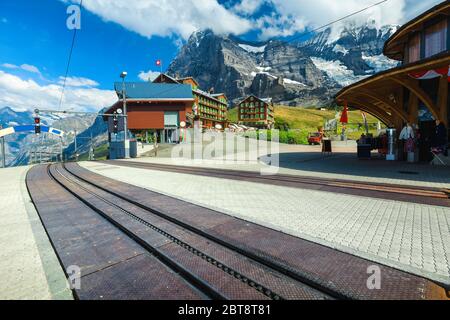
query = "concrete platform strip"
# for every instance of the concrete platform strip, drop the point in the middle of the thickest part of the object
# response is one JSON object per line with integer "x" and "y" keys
{"x": 29, "y": 268}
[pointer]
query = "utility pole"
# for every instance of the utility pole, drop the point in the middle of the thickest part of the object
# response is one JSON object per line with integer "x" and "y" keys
{"x": 92, "y": 147}
{"x": 62, "y": 149}
{"x": 3, "y": 150}
{"x": 125, "y": 124}
{"x": 40, "y": 151}
{"x": 76, "y": 146}
{"x": 3, "y": 153}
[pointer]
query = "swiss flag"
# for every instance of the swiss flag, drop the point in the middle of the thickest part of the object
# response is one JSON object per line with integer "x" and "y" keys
{"x": 158, "y": 62}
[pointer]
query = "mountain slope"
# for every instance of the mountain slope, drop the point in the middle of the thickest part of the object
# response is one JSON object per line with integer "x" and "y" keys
{"x": 21, "y": 146}
{"x": 356, "y": 53}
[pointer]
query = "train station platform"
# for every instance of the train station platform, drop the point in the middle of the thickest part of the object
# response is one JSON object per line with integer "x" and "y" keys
{"x": 411, "y": 237}
{"x": 29, "y": 268}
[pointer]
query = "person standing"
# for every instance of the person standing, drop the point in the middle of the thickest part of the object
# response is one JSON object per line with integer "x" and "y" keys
{"x": 407, "y": 140}
{"x": 440, "y": 137}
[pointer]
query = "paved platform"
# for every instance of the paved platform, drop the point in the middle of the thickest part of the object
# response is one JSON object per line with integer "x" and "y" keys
{"x": 29, "y": 268}
{"x": 412, "y": 237}
{"x": 309, "y": 161}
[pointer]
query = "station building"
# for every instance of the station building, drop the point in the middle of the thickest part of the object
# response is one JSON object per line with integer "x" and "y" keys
{"x": 417, "y": 90}
{"x": 155, "y": 107}
{"x": 209, "y": 108}
{"x": 256, "y": 112}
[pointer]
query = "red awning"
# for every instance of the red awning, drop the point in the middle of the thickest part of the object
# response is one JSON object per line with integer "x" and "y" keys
{"x": 431, "y": 74}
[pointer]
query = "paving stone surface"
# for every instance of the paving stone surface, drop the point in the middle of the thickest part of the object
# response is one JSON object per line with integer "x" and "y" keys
{"x": 408, "y": 236}
{"x": 308, "y": 161}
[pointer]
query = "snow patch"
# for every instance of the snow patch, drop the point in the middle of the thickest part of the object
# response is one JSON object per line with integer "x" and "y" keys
{"x": 337, "y": 71}
{"x": 380, "y": 62}
{"x": 253, "y": 74}
{"x": 340, "y": 49}
{"x": 263, "y": 69}
{"x": 289, "y": 81}
{"x": 252, "y": 48}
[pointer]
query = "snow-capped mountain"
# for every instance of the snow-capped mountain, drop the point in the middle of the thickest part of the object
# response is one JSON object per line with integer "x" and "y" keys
{"x": 307, "y": 73}
{"x": 355, "y": 54}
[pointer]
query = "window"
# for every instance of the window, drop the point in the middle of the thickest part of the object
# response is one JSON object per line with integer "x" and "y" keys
{"x": 436, "y": 39}
{"x": 414, "y": 48}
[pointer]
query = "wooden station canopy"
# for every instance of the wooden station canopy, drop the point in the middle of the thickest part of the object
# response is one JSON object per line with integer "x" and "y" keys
{"x": 393, "y": 96}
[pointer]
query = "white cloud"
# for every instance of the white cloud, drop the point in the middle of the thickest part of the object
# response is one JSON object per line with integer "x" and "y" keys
{"x": 26, "y": 67}
{"x": 9, "y": 66}
{"x": 295, "y": 15}
{"x": 169, "y": 17}
{"x": 289, "y": 17}
{"x": 78, "y": 82}
{"x": 248, "y": 6}
{"x": 149, "y": 75}
{"x": 28, "y": 94}
{"x": 30, "y": 68}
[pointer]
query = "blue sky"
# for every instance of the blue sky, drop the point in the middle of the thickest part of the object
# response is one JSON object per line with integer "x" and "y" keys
{"x": 132, "y": 34}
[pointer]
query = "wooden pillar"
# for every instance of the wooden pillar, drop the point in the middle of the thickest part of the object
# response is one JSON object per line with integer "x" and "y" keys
{"x": 442, "y": 100}
{"x": 413, "y": 108}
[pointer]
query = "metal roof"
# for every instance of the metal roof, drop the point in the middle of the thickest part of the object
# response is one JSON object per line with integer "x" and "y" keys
{"x": 148, "y": 90}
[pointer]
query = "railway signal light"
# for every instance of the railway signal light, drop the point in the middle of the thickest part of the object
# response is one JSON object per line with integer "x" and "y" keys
{"x": 115, "y": 124}
{"x": 37, "y": 125}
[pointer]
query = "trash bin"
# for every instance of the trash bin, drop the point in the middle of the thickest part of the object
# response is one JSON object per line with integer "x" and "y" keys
{"x": 133, "y": 149}
{"x": 391, "y": 144}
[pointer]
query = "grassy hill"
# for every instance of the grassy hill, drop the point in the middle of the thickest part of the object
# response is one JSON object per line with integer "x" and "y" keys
{"x": 303, "y": 121}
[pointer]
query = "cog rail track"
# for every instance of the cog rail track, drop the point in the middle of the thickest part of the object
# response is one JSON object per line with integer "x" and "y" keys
{"x": 188, "y": 252}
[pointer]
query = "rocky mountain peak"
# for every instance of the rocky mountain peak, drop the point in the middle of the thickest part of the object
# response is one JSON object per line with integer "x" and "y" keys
{"x": 307, "y": 73}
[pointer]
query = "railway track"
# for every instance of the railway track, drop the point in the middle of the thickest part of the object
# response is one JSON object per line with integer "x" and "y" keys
{"x": 206, "y": 261}
{"x": 414, "y": 194}
{"x": 215, "y": 270}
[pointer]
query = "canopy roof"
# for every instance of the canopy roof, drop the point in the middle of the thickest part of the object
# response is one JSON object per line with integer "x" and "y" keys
{"x": 382, "y": 94}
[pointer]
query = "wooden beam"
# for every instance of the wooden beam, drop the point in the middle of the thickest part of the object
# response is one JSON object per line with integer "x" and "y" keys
{"x": 413, "y": 109}
{"x": 414, "y": 88}
{"x": 395, "y": 108}
{"x": 443, "y": 100}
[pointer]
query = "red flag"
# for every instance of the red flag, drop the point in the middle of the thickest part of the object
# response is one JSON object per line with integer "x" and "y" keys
{"x": 344, "y": 116}
{"x": 158, "y": 62}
